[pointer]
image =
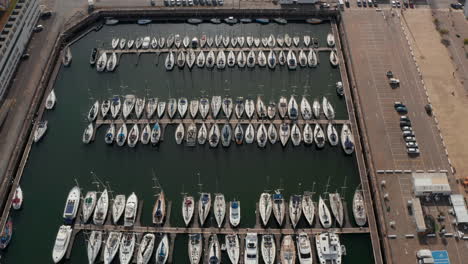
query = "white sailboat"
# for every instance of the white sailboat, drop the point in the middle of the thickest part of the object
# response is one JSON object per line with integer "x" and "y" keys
{"x": 115, "y": 106}
{"x": 241, "y": 59}
{"x": 262, "y": 136}
{"x": 319, "y": 136}
{"x": 204, "y": 206}
{"x": 214, "y": 135}
{"x": 334, "y": 58}
{"x": 332, "y": 134}
{"x": 233, "y": 248}
{"x": 306, "y": 110}
{"x": 271, "y": 59}
{"x": 316, "y": 108}
{"x": 324, "y": 214}
{"x": 278, "y": 207}
{"x": 111, "y": 246}
{"x": 262, "y": 60}
{"x": 193, "y": 107}
{"x": 272, "y": 133}
{"x": 308, "y": 134}
{"x": 188, "y": 208}
{"x": 128, "y": 105}
{"x": 102, "y": 62}
{"x": 302, "y": 58}
{"x": 210, "y": 59}
{"x": 170, "y": 61}
{"x": 145, "y": 249}
{"x": 118, "y": 207}
{"x": 105, "y": 107}
{"x": 88, "y": 133}
{"x": 231, "y": 59}
{"x": 251, "y": 59}
{"x": 227, "y": 106}
{"x": 261, "y": 109}
{"x": 268, "y": 248}
{"x": 219, "y": 208}
{"x": 295, "y": 209}
{"x": 347, "y": 140}
{"x": 179, "y": 134}
{"x": 239, "y": 134}
{"x": 182, "y": 106}
{"x": 111, "y": 62}
{"x": 226, "y": 135}
{"x": 282, "y": 107}
{"x": 94, "y": 245}
{"x": 131, "y": 208}
{"x": 330, "y": 40}
{"x": 201, "y": 59}
{"x": 282, "y": 58}
{"x": 155, "y": 134}
{"x": 239, "y": 107}
{"x": 89, "y": 203}
{"x": 249, "y": 108}
{"x": 221, "y": 60}
{"x": 171, "y": 107}
{"x": 337, "y": 208}
{"x": 250, "y": 134}
{"x": 180, "y": 59}
{"x": 121, "y": 137}
{"x": 139, "y": 106}
{"x": 195, "y": 248}
{"x": 93, "y": 111}
{"x": 359, "y": 209}
{"x": 285, "y": 131}
{"x": 312, "y": 60}
{"x": 204, "y": 107}
{"x": 265, "y": 206}
{"x": 133, "y": 136}
{"x": 215, "y": 105}
{"x": 296, "y": 135}
{"x": 50, "y": 101}
{"x": 308, "y": 207}
{"x": 271, "y": 110}
{"x": 214, "y": 250}
{"x": 102, "y": 206}
{"x": 127, "y": 246}
{"x": 162, "y": 252}
{"x": 293, "y": 108}
{"x": 151, "y": 107}
{"x": 159, "y": 208}
{"x": 202, "y": 134}
{"x": 291, "y": 60}
{"x": 328, "y": 109}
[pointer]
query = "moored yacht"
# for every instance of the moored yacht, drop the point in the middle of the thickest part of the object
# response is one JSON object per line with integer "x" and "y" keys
{"x": 111, "y": 246}
{"x": 145, "y": 249}
{"x": 219, "y": 208}
{"x": 251, "y": 249}
{"x": 118, "y": 207}
{"x": 324, "y": 214}
{"x": 278, "y": 207}
{"x": 94, "y": 245}
{"x": 268, "y": 248}
{"x": 233, "y": 248}
{"x": 304, "y": 249}
{"x": 288, "y": 251}
{"x": 40, "y": 130}
{"x": 71, "y": 205}
{"x": 128, "y": 105}
{"x": 88, "y": 133}
{"x": 214, "y": 250}
{"x": 265, "y": 206}
{"x": 50, "y": 101}
{"x": 159, "y": 209}
{"x": 131, "y": 208}
{"x": 359, "y": 209}
{"x": 195, "y": 248}
{"x": 204, "y": 206}
{"x": 121, "y": 136}
{"x": 102, "y": 206}
{"x": 239, "y": 134}
{"x": 295, "y": 209}
{"x": 319, "y": 136}
{"x": 285, "y": 131}
{"x": 308, "y": 207}
{"x": 61, "y": 243}
{"x": 127, "y": 247}
{"x": 347, "y": 140}
{"x": 188, "y": 208}
{"x": 328, "y": 248}
{"x": 234, "y": 213}
{"x": 332, "y": 134}
{"x": 162, "y": 252}
{"x": 337, "y": 207}
{"x": 214, "y": 136}
{"x": 89, "y": 203}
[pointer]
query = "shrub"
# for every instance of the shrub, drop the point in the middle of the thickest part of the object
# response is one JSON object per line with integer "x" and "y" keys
{"x": 443, "y": 31}
{"x": 465, "y": 41}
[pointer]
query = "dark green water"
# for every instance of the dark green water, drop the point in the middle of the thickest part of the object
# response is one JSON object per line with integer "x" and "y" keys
{"x": 240, "y": 172}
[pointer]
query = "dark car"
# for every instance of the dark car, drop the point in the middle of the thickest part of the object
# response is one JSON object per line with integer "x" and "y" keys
{"x": 398, "y": 104}
{"x": 456, "y": 5}
{"x": 404, "y": 118}
{"x": 405, "y": 123}
{"x": 402, "y": 110}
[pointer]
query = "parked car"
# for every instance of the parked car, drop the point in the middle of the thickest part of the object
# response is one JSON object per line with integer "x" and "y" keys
{"x": 402, "y": 110}
{"x": 38, "y": 28}
{"x": 398, "y": 104}
{"x": 393, "y": 4}
{"x": 456, "y": 5}
{"x": 405, "y": 123}
{"x": 414, "y": 151}
{"x": 406, "y": 128}
{"x": 404, "y": 118}
{"x": 412, "y": 144}
{"x": 410, "y": 139}
{"x": 408, "y": 133}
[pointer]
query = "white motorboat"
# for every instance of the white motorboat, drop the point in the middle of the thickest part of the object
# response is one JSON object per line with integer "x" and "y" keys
{"x": 17, "y": 200}
{"x": 155, "y": 134}
{"x": 93, "y": 111}
{"x": 241, "y": 41}
{"x": 202, "y": 134}
{"x": 271, "y": 109}
{"x": 319, "y": 136}
{"x": 249, "y": 108}
{"x": 145, "y": 249}
{"x": 226, "y": 135}
{"x": 285, "y": 131}
{"x": 133, "y": 136}
{"x": 332, "y": 134}
{"x": 249, "y": 41}
{"x": 151, "y": 107}
{"x": 111, "y": 246}
{"x": 251, "y": 249}
{"x": 40, "y": 130}
{"x": 221, "y": 60}
{"x": 359, "y": 209}
{"x": 131, "y": 208}
{"x": 231, "y": 59}
{"x": 250, "y": 134}
{"x": 262, "y": 60}
{"x": 146, "y": 42}
{"x": 219, "y": 208}
{"x": 271, "y": 59}
{"x": 190, "y": 58}
{"x": 330, "y": 40}
{"x": 251, "y": 59}
{"x": 162, "y": 252}
{"x": 291, "y": 60}
{"x": 233, "y": 248}
{"x": 50, "y": 101}
{"x": 306, "y": 40}
{"x": 127, "y": 246}
{"x": 234, "y": 213}
{"x": 195, "y": 248}
{"x": 128, "y": 105}
{"x": 334, "y": 58}
{"x": 308, "y": 207}
{"x": 214, "y": 250}
{"x": 239, "y": 107}
{"x": 61, "y": 243}
{"x": 227, "y": 107}
{"x": 304, "y": 249}
{"x": 347, "y": 140}
{"x": 171, "y": 107}
{"x": 161, "y": 109}
{"x": 324, "y": 214}
{"x": 102, "y": 62}
{"x": 282, "y": 107}
{"x": 118, "y": 207}
{"x": 111, "y": 62}
{"x": 159, "y": 209}
{"x": 296, "y": 40}
{"x": 89, "y": 203}
{"x": 94, "y": 245}
{"x": 145, "y": 134}
{"x": 328, "y": 248}
{"x": 280, "y": 40}
{"x": 287, "y": 40}
{"x": 102, "y": 206}
{"x": 296, "y": 135}
{"x": 306, "y": 110}
{"x": 295, "y": 209}
{"x": 201, "y": 59}
{"x": 308, "y": 134}
{"x": 312, "y": 60}
{"x": 214, "y": 136}
{"x": 268, "y": 248}
{"x": 115, "y": 106}
{"x": 186, "y": 41}
{"x": 316, "y": 108}
{"x": 278, "y": 207}
{"x": 121, "y": 136}
{"x": 241, "y": 59}
{"x": 288, "y": 250}
{"x": 193, "y": 107}
{"x": 88, "y": 133}
{"x": 204, "y": 206}
{"x": 261, "y": 108}
{"x": 265, "y": 206}
{"x": 282, "y": 58}
{"x": 262, "y": 136}
{"x": 239, "y": 134}
{"x": 180, "y": 59}
{"x": 204, "y": 107}
{"x": 177, "y": 40}
{"x": 302, "y": 58}
{"x": 328, "y": 109}
{"x": 293, "y": 108}
{"x": 67, "y": 57}
{"x": 179, "y": 134}
{"x": 71, "y": 205}
{"x": 182, "y": 106}
{"x": 139, "y": 106}
{"x": 170, "y": 41}
{"x": 272, "y": 133}
{"x": 170, "y": 61}
{"x": 188, "y": 208}
{"x": 337, "y": 207}
{"x": 105, "y": 107}
{"x": 210, "y": 59}
{"x": 215, "y": 105}
{"x": 191, "y": 137}
{"x": 256, "y": 42}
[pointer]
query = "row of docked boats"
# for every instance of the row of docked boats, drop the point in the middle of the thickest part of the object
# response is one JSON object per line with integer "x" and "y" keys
{"x": 245, "y": 58}
{"x": 204, "y": 207}
{"x": 218, "y": 41}
{"x": 104, "y": 61}
{"x": 41, "y": 127}
{"x": 126, "y": 244}
{"x": 227, "y": 107}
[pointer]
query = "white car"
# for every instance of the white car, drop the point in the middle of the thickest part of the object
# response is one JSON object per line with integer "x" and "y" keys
{"x": 411, "y": 144}
{"x": 394, "y": 4}
{"x": 412, "y": 151}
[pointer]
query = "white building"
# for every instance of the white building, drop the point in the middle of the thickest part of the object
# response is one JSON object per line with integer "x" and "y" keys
{"x": 430, "y": 183}
{"x": 14, "y": 37}
{"x": 459, "y": 208}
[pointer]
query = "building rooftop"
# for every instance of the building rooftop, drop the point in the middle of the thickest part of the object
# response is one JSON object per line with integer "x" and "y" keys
{"x": 459, "y": 207}
{"x": 430, "y": 183}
